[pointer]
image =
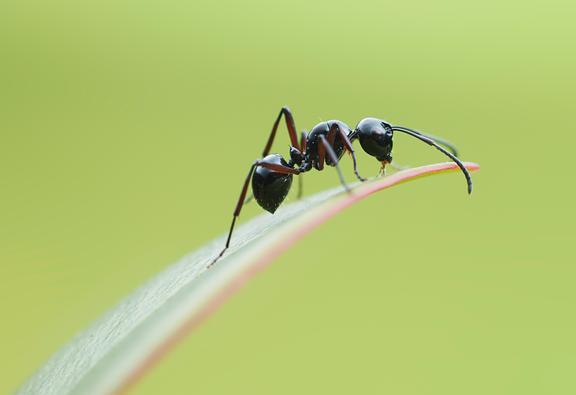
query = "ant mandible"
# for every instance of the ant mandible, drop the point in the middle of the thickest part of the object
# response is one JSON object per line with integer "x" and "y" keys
{"x": 325, "y": 144}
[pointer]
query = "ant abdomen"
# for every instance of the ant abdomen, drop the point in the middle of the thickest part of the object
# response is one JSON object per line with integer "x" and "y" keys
{"x": 271, "y": 187}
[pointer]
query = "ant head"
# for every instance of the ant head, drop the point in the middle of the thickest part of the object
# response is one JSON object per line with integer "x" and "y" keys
{"x": 375, "y": 138}
{"x": 376, "y": 135}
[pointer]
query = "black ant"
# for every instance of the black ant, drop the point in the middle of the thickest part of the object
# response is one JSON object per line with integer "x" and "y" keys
{"x": 325, "y": 144}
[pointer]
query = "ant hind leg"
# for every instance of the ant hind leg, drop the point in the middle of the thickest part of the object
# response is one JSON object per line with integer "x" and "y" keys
{"x": 290, "y": 124}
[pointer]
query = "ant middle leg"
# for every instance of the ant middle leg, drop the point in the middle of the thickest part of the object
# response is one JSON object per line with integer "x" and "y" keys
{"x": 348, "y": 144}
{"x": 303, "y": 143}
{"x": 326, "y": 149}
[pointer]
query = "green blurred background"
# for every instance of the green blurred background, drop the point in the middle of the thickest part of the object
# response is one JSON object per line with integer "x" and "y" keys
{"x": 127, "y": 128}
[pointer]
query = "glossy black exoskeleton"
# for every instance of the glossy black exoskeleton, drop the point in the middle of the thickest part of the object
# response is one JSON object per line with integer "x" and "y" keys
{"x": 272, "y": 175}
{"x": 271, "y": 187}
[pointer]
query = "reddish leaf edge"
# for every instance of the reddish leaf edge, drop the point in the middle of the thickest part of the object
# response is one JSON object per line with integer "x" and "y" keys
{"x": 292, "y": 232}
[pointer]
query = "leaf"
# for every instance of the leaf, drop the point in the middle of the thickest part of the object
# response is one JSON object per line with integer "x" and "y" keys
{"x": 120, "y": 347}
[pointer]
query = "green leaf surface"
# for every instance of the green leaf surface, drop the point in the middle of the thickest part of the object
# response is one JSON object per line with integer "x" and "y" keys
{"x": 121, "y": 346}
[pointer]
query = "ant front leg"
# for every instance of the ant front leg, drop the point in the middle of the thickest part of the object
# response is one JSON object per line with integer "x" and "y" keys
{"x": 290, "y": 124}
{"x": 241, "y": 199}
{"x": 326, "y": 148}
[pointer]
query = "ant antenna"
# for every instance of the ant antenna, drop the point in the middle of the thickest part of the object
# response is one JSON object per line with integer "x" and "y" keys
{"x": 439, "y": 140}
{"x": 430, "y": 141}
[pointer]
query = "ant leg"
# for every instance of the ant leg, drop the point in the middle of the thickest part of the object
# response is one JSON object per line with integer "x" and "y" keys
{"x": 291, "y": 130}
{"x": 237, "y": 210}
{"x": 241, "y": 201}
{"x": 348, "y": 145}
{"x": 322, "y": 148}
{"x": 300, "y": 187}
{"x": 303, "y": 141}
{"x": 326, "y": 148}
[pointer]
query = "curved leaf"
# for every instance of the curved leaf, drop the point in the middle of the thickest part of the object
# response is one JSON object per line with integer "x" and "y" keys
{"x": 129, "y": 339}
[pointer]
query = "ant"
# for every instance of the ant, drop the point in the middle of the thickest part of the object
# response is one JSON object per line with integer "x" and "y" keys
{"x": 325, "y": 144}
